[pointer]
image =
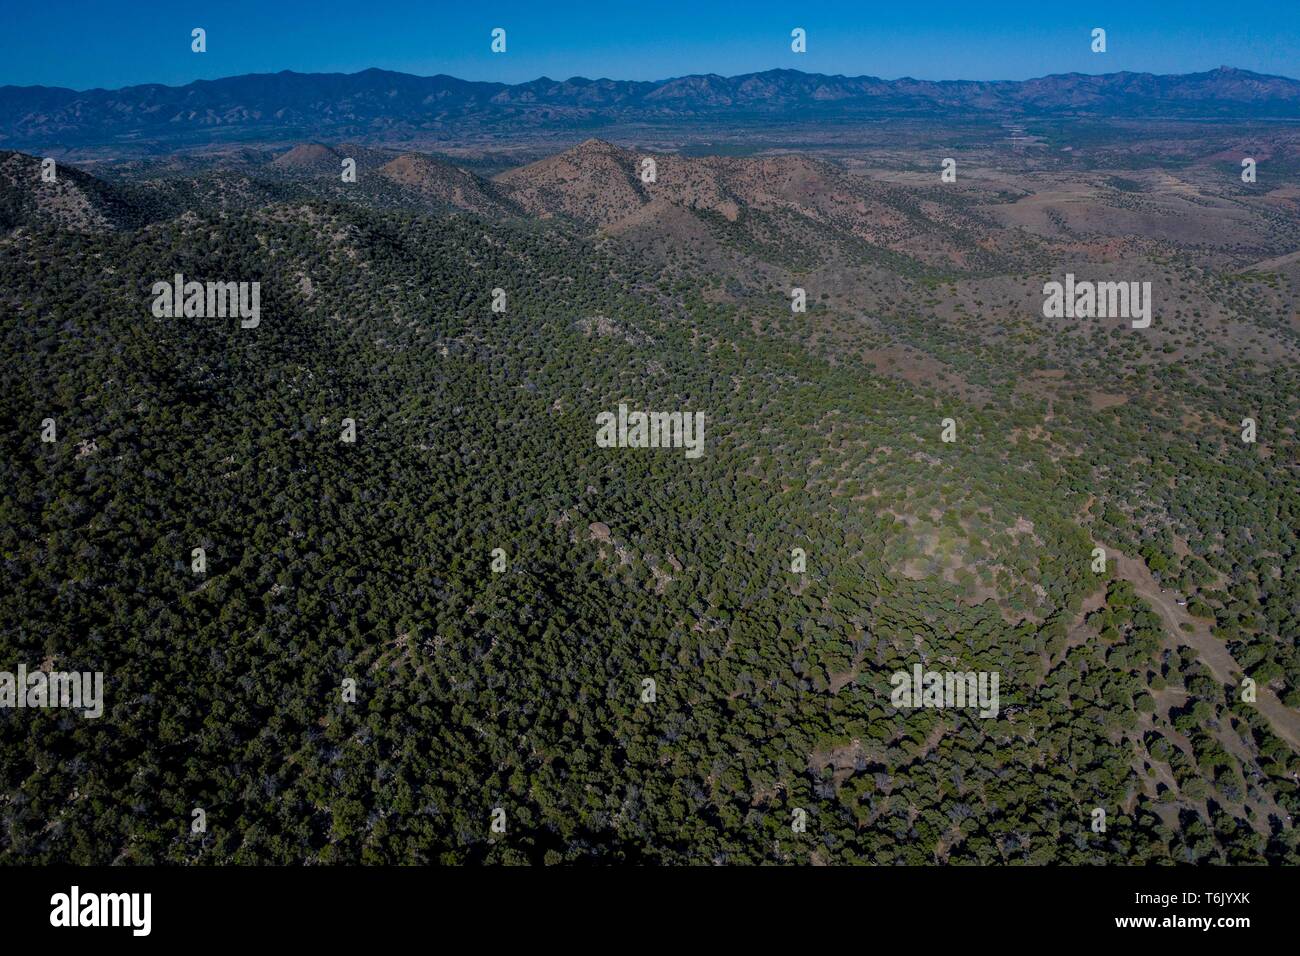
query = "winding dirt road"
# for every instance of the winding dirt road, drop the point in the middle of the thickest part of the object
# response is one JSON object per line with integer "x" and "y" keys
{"x": 1284, "y": 721}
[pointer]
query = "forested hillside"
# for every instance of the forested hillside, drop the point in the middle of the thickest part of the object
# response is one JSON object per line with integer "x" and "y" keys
{"x": 523, "y": 689}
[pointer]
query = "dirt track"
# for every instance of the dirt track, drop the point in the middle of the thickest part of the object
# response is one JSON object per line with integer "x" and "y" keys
{"x": 1284, "y": 721}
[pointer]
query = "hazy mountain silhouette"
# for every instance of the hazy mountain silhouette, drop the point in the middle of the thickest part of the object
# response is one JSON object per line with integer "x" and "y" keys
{"x": 376, "y": 104}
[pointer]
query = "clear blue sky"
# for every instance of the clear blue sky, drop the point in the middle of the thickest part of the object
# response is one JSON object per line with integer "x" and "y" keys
{"x": 112, "y": 43}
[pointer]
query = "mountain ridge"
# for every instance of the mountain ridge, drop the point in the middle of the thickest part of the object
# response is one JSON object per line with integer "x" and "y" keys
{"x": 377, "y": 104}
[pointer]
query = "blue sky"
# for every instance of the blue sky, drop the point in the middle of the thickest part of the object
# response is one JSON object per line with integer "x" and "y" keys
{"x": 112, "y": 43}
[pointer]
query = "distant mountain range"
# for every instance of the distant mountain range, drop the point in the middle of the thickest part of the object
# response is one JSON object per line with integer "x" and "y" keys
{"x": 375, "y": 105}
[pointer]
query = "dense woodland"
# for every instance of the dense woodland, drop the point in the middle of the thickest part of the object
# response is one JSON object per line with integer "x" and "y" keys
{"x": 522, "y": 690}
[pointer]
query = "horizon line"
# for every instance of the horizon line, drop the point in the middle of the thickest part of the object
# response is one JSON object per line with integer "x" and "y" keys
{"x": 606, "y": 79}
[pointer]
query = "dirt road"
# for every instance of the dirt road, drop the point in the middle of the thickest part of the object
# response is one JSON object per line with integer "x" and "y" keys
{"x": 1284, "y": 721}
